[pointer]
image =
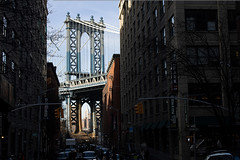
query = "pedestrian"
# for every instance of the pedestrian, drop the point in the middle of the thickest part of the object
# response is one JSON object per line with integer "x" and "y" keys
{"x": 219, "y": 144}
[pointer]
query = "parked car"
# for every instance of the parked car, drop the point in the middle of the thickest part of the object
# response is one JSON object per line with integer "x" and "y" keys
{"x": 70, "y": 150}
{"x": 220, "y": 155}
{"x": 89, "y": 155}
{"x": 62, "y": 156}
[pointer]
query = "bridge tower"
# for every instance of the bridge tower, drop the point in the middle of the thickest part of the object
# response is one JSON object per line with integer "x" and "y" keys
{"x": 75, "y": 29}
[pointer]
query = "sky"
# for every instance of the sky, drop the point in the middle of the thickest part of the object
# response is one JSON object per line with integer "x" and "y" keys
{"x": 57, "y": 14}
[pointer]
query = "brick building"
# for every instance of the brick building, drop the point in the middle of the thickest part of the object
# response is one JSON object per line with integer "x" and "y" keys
{"x": 181, "y": 60}
{"x": 52, "y": 135}
{"x": 111, "y": 128}
{"x": 23, "y": 75}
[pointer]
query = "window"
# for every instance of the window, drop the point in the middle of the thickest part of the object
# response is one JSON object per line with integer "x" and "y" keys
{"x": 171, "y": 26}
{"x": 157, "y": 78}
{"x": 235, "y": 57}
{"x": 4, "y": 62}
{"x": 13, "y": 34}
{"x": 134, "y": 28}
{"x": 138, "y": 21}
{"x": 144, "y": 84}
{"x": 143, "y": 34}
{"x": 148, "y": 5}
{"x": 151, "y": 107}
{"x": 145, "y": 109}
{"x": 164, "y": 63}
{"x": 203, "y": 55}
{"x": 19, "y": 74}
{"x": 140, "y": 88}
{"x": 162, "y": 10}
{"x": 232, "y": 20}
{"x": 157, "y": 107}
{"x": 201, "y": 20}
{"x": 135, "y": 69}
{"x": 13, "y": 4}
{"x": 165, "y": 102}
{"x": 150, "y": 79}
{"x": 155, "y": 13}
{"x": 149, "y": 54}
{"x": 139, "y": 65}
{"x": 144, "y": 59}
{"x": 149, "y": 27}
{"x": 136, "y": 93}
{"x": 13, "y": 66}
{"x": 143, "y": 10}
{"x": 163, "y": 37}
{"x": 4, "y": 31}
{"x": 156, "y": 45}
{"x": 155, "y": 17}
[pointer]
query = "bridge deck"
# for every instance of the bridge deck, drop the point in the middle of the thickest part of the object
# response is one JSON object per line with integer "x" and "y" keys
{"x": 82, "y": 83}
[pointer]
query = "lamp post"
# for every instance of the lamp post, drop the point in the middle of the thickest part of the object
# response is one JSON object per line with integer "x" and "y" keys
{"x": 39, "y": 104}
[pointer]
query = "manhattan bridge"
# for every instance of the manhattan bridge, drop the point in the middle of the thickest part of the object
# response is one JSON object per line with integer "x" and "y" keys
{"x": 81, "y": 87}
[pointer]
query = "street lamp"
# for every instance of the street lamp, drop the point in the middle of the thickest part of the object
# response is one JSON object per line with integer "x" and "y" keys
{"x": 39, "y": 104}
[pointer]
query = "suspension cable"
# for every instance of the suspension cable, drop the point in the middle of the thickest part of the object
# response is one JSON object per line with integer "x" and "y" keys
{"x": 101, "y": 28}
{"x": 111, "y": 26}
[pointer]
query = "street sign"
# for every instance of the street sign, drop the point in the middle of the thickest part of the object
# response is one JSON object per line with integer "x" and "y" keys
{"x": 130, "y": 129}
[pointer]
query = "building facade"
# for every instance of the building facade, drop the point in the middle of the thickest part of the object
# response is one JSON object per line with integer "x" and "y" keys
{"x": 111, "y": 128}
{"x": 181, "y": 60}
{"x": 23, "y": 76}
{"x": 51, "y": 125}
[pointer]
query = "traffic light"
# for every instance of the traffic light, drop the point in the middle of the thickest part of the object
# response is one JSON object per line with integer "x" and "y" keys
{"x": 57, "y": 113}
{"x": 138, "y": 108}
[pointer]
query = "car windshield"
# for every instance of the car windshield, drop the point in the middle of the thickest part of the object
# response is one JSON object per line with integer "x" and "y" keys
{"x": 221, "y": 157}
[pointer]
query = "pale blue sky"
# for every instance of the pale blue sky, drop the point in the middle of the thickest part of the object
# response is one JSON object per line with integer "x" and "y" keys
{"x": 106, "y": 9}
